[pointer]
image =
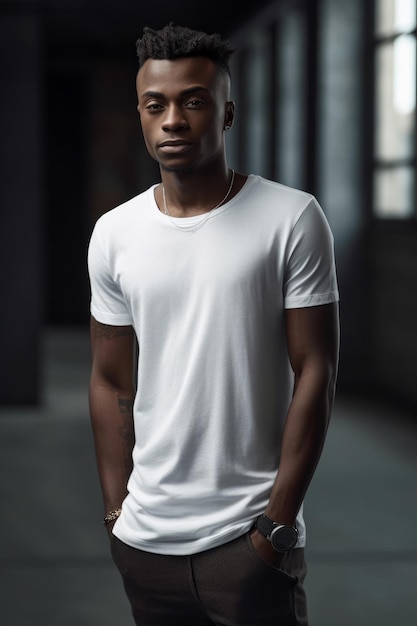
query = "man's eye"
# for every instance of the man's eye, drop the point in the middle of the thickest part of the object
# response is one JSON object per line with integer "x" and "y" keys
{"x": 194, "y": 103}
{"x": 153, "y": 106}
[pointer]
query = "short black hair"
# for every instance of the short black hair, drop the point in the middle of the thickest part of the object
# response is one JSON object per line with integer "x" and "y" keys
{"x": 175, "y": 42}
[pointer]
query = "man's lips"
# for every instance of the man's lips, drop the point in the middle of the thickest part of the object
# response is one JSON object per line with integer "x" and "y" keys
{"x": 174, "y": 145}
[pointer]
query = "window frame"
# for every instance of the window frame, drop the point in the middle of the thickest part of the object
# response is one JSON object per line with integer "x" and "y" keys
{"x": 378, "y": 164}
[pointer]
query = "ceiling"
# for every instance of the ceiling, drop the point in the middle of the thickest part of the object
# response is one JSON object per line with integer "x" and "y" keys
{"x": 107, "y": 26}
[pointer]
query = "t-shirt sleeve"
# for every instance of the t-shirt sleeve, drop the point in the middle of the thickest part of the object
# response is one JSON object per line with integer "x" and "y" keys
{"x": 310, "y": 277}
{"x": 107, "y": 304}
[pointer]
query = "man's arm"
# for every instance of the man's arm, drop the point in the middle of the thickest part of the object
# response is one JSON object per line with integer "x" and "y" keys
{"x": 111, "y": 396}
{"x": 313, "y": 348}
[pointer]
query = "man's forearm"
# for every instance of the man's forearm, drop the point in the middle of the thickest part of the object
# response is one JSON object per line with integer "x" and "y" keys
{"x": 112, "y": 423}
{"x": 303, "y": 439}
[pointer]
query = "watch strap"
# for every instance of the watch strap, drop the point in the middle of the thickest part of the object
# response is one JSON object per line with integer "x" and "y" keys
{"x": 265, "y": 525}
{"x": 282, "y": 536}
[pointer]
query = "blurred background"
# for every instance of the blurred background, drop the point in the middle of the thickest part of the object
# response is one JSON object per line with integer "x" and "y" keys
{"x": 326, "y": 102}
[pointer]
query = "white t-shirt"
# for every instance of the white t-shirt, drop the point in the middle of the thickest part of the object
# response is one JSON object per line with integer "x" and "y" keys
{"x": 206, "y": 296}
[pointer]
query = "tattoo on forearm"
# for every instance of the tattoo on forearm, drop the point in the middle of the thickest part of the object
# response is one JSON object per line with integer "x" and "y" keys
{"x": 103, "y": 331}
{"x": 126, "y": 430}
{"x": 126, "y": 406}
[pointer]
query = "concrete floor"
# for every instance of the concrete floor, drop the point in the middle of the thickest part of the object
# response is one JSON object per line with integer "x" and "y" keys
{"x": 361, "y": 511}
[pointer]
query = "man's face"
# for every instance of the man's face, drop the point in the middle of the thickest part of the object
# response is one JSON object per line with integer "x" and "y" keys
{"x": 183, "y": 107}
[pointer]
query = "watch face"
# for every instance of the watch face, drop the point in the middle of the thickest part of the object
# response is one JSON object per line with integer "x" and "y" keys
{"x": 283, "y": 538}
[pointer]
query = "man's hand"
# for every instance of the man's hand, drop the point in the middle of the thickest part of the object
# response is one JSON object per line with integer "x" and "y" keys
{"x": 109, "y": 529}
{"x": 265, "y": 550}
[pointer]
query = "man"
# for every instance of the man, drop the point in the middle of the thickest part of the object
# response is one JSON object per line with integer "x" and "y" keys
{"x": 226, "y": 283}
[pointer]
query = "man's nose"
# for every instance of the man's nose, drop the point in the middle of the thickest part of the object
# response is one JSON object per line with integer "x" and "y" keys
{"x": 174, "y": 118}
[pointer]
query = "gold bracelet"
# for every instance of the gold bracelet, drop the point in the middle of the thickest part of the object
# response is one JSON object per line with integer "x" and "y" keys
{"x": 111, "y": 516}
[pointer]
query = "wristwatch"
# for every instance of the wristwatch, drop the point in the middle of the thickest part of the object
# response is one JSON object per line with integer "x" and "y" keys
{"x": 283, "y": 537}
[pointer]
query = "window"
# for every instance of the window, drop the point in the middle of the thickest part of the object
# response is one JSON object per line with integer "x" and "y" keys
{"x": 394, "y": 150}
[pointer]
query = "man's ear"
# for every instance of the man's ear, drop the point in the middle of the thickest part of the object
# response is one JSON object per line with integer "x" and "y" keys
{"x": 229, "y": 115}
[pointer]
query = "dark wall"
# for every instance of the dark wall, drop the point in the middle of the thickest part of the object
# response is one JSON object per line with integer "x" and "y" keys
{"x": 393, "y": 256}
{"x": 67, "y": 211}
{"x": 21, "y": 206}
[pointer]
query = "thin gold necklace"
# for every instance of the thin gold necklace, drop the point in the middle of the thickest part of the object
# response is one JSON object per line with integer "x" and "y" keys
{"x": 199, "y": 224}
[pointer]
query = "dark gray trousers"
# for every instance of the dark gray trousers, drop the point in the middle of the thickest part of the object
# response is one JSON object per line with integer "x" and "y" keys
{"x": 226, "y": 586}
